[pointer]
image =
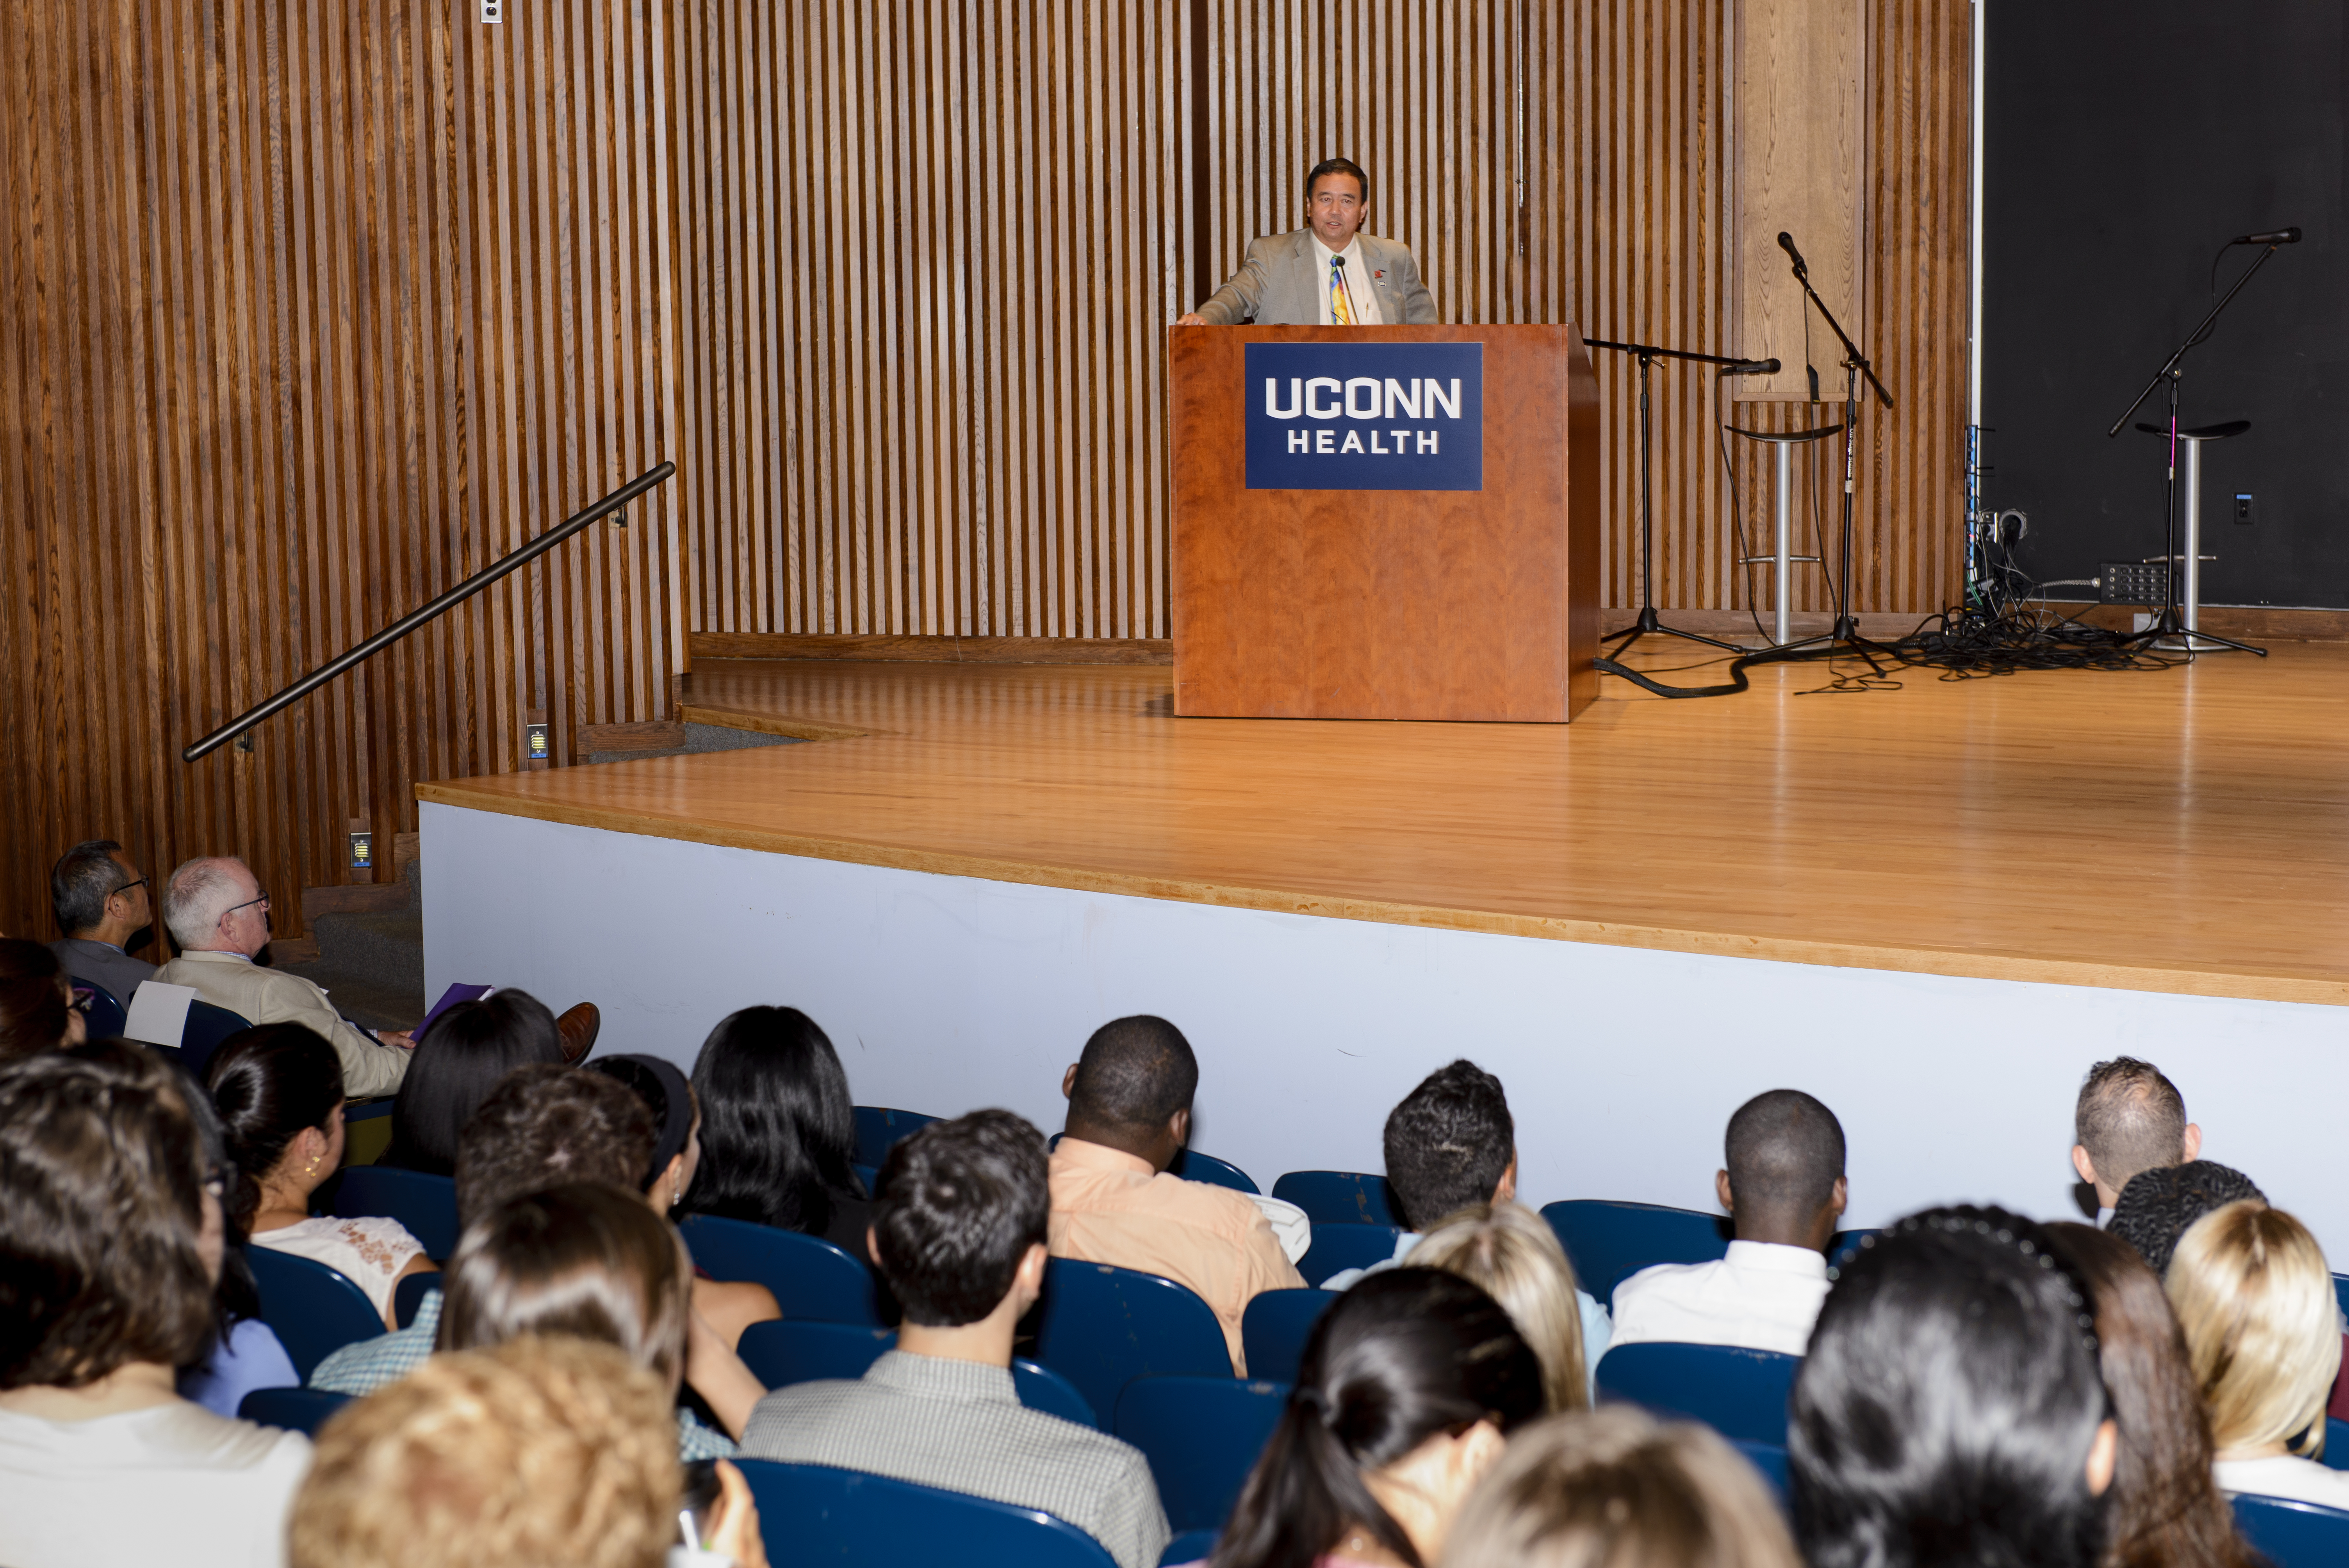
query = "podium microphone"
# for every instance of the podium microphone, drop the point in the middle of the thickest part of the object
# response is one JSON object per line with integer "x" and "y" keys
{"x": 1752, "y": 367}
{"x": 1786, "y": 243}
{"x": 2277, "y": 237}
{"x": 1346, "y": 277}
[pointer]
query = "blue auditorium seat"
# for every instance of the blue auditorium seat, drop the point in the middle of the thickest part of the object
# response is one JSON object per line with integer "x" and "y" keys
{"x": 2293, "y": 1535}
{"x": 1770, "y": 1459}
{"x": 846, "y": 1518}
{"x": 425, "y": 1204}
{"x": 1190, "y": 1546}
{"x": 809, "y": 1276}
{"x": 1193, "y": 1166}
{"x": 408, "y": 1296}
{"x": 2336, "y": 1444}
{"x": 2341, "y": 1292}
{"x": 1340, "y": 1247}
{"x": 313, "y": 1310}
{"x": 1274, "y": 1328}
{"x": 301, "y": 1410}
{"x": 206, "y": 1027}
{"x": 1041, "y": 1389}
{"x": 1101, "y": 1327}
{"x": 877, "y": 1128}
{"x": 1202, "y": 1437}
{"x": 106, "y": 1014}
{"x": 781, "y": 1354}
{"x": 1339, "y": 1197}
{"x": 1608, "y": 1242}
{"x": 1740, "y": 1393}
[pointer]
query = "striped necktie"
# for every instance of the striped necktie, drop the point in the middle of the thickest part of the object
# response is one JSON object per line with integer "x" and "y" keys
{"x": 1342, "y": 309}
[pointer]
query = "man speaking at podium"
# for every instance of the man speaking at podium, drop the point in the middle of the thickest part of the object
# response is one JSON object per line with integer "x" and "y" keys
{"x": 1327, "y": 273}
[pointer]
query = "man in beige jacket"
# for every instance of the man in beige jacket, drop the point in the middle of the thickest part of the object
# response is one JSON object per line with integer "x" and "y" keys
{"x": 1327, "y": 273}
{"x": 215, "y": 910}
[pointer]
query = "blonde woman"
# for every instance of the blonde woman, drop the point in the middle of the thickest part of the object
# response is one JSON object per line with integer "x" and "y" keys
{"x": 1512, "y": 1253}
{"x": 2263, "y": 1338}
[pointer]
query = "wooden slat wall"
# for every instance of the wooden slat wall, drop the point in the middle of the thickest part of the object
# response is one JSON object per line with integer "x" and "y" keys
{"x": 310, "y": 312}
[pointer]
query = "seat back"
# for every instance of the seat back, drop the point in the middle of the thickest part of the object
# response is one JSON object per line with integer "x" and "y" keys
{"x": 781, "y": 1354}
{"x": 425, "y": 1204}
{"x": 809, "y": 1276}
{"x": 1608, "y": 1242}
{"x": 312, "y": 1309}
{"x": 1337, "y": 1248}
{"x": 301, "y": 1410}
{"x": 1193, "y": 1166}
{"x": 206, "y": 1027}
{"x": 846, "y": 1518}
{"x": 1041, "y": 1389}
{"x": 408, "y": 1296}
{"x": 2336, "y": 1444}
{"x": 1340, "y": 1197}
{"x": 2341, "y": 1292}
{"x": 1770, "y": 1460}
{"x": 1274, "y": 1328}
{"x": 106, "y": 1014}
{"x": 1740, "y": 1393}
{"x": 877, "y": 1128}
{"x": 1202, "y": 1437}
{"x": 1101, "y": 1327}
{"x": 2292, "y": 1534}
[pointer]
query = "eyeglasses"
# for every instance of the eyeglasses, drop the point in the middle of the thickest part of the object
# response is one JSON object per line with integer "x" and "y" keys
{"x": 263, "y": 901}
{"x": 126, "y": 887}
{"x": 83, "y": 1001}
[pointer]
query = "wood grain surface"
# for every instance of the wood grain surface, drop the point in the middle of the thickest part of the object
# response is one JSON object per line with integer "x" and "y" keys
{"x": 2181, "y": 830}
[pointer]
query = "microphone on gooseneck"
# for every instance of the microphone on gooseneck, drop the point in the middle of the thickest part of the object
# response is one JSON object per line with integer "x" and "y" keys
{"x": 1752, "y": 367}
{"x": 1346, "y": 279}
{"x": 1786, "y": 243}
{"x": 2274, "y": 237}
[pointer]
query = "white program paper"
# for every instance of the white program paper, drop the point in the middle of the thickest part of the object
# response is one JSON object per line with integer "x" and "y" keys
{"x": 159, "y": 1013}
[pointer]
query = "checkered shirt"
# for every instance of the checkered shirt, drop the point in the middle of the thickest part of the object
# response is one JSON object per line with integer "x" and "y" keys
{"x": 959, "y": 1426}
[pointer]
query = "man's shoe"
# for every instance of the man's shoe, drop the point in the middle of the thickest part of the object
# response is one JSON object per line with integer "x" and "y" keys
{"x": 579, "y": 1027}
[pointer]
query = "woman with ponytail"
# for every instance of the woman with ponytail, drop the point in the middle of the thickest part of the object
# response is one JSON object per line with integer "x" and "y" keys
{"x": 1408, "y": 1390}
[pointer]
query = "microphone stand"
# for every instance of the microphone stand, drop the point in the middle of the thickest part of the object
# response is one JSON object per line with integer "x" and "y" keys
{"x": 1648, "y": 626}
{"x": 2170, "y": 623}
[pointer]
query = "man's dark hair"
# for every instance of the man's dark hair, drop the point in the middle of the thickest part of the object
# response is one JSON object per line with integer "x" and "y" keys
{"x": 1783, "y": 1150}
{"x": 959, "y": 1204}
{"x": 1448, "y": 1143}
{"x": 1338, "y": 166}
{"x": 80, "y": 883}
{"x": 2129, "y": 1118}
{"x": 2160, "y": 1205}
{"x": 1135, "y": 1073}
{"x": 466, "y": 1053}
{"x": 546, "y": 1126}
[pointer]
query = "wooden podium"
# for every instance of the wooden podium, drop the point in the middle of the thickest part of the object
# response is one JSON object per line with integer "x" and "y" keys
{"x": 1337, "y": 602}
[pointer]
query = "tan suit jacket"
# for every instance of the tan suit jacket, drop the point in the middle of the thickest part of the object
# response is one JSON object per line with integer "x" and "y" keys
{"x": 261, "y": 995}
{"x": 1280, "y": 284}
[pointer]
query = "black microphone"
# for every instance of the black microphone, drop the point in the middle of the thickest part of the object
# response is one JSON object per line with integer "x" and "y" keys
{"x": 1786, "y": 243}
{"x": 2278, "y": 237}
{"x": 1346, "y": 281}
{"x": 1752, "y": 367}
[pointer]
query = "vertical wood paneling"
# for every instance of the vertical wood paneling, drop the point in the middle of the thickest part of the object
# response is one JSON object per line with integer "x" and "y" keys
{"x": 312, "y": 311}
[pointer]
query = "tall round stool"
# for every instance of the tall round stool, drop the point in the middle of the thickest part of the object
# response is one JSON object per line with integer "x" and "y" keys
{"x": 1782, "y": 558}
{"x": 2191, "y": 546}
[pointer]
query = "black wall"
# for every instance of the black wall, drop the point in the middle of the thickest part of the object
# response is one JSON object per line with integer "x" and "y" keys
{"x": 2125, "y": 142}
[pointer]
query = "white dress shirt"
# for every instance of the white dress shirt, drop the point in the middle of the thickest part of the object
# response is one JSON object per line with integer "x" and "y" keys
{"x": 1358, "y": 283}
{"x": 2303, "y": 1480}
{"x": 1762, "y": 1296}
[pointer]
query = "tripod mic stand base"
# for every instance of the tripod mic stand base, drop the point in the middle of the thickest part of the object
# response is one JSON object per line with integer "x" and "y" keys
{"x": 1648, "y": 626}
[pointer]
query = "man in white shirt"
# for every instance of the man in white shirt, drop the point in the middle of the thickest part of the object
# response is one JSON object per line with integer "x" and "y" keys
{"x": 1785, "y": 1190}
{"x": 2129, "y": 1118}
{"x": 1327, "y": 273}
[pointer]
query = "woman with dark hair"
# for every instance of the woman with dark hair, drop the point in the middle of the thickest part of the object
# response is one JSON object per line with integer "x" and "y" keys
{"x": 458, "y": 1061}
{"x": 1951, "y": 1409}
{"x": 104, "y": 1203}
{"x": 2164, "y": 1509}
{"x": 38, "y": 1010}
{"x": 244, "y": 1353}
{"x": 279, "y": 1092}
{"x": 1407, "y": 1390}
{"x": 779, "y": 1131}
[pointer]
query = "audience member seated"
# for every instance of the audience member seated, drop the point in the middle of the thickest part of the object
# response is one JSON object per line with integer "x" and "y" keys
{"x": 2158, "y": 1206}
{"x": 1113, "y": 1203}
{"x": 2164, "y": 1509}
{"x": 2129, "y": 1118}
{"x": 1408, "y": 1390}
{"x": 1513, "y": 1254}
{"x": 459, "y": 1060}
{"x": 105, "y": 1207}
{"x": 1951, "y": 1409}
{"x": 279, "y": 1092}
{"x": 779, "y": 1129}
{"x": 542, "y": 1127}
{"x": 592, "y": 1259}
{"x": 543, "y": 1452}
{"x": 1615, "y": 1488}
{"x": 1785, "y": 1191}
{"x": 730, "y": 1306}
{"x": 2254, "y": 1295}
{"x": 102, "y": 904}
{"x": 244, "y": 1353}
{"x": 216, "y": 911}
{"x": 38, "y": 1012}
{"x": 958, "y": 1232}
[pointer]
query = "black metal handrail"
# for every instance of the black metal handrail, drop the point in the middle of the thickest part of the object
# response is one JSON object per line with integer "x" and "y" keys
{"x": 415, "y": 618}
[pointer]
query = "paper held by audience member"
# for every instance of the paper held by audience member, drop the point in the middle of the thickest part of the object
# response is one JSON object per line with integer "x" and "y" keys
{"x": 1289, "y": 1225}
{"x": 159, "y": 1013}
{"x": 450, "y": 998}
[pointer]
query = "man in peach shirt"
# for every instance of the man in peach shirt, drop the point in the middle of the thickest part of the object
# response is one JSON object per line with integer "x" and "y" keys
{"x": 1112, "y": 1201}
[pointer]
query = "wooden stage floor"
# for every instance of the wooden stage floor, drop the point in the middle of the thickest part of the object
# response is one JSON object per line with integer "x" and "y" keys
{"x": 2181, "y": 830}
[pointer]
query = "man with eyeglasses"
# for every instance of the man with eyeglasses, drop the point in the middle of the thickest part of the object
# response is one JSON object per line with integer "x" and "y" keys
{"x": 216, "y": 911}
{"x": 1327, "y": 274}
{"x": 102, "y": 905}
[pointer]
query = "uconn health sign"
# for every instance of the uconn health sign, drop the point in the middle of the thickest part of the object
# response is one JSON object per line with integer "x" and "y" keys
{"x": 1366, "y": 416}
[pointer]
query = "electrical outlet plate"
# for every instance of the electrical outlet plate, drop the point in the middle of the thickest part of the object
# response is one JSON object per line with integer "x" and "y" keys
{"x": 2242, "y": 508}
{"x": 493, "y": 11}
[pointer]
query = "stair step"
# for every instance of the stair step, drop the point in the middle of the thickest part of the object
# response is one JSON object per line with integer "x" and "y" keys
{"x": 385, "y": 950}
